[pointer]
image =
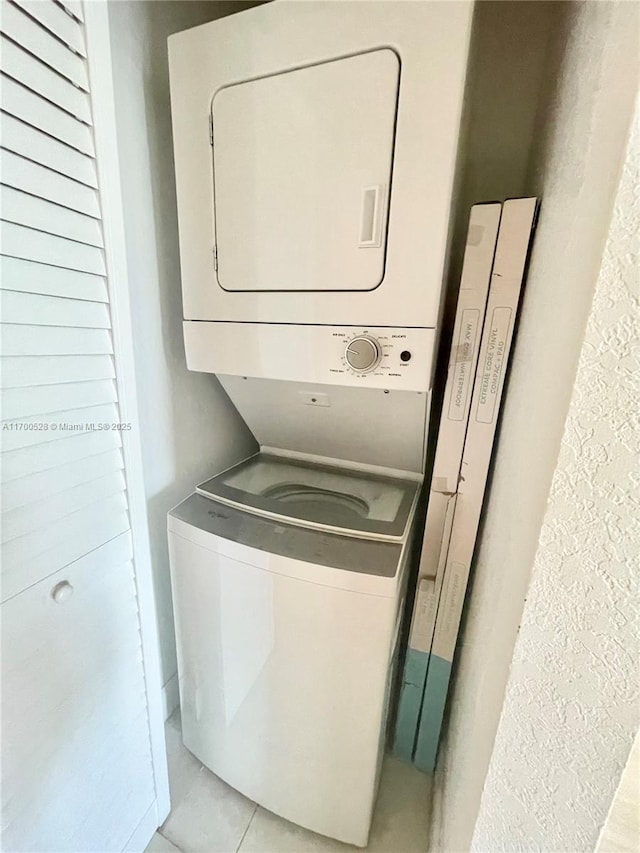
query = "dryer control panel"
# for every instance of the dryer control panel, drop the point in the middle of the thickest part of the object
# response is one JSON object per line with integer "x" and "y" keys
{"x": 374, "y": 357}
{"x": 382, "y": 352}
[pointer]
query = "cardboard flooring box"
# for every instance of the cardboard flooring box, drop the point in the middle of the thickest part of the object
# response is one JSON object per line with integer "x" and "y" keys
{"x": 476, "y": 273}
{"x": 516, "y": 226}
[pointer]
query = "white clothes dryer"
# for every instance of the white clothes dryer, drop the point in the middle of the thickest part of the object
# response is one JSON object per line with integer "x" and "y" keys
{"x": 315, "y": 148}
{"x": 288, "y": 581}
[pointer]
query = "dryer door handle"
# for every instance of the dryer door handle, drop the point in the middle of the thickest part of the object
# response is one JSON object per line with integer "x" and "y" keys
{"x": 371, "y": 215}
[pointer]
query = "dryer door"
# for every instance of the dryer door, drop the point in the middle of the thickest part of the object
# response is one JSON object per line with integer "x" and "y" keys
{"x": 302, "y": 176}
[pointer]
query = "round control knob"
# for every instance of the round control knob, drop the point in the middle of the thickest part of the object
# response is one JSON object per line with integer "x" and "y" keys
{"x": 363, "y": 353}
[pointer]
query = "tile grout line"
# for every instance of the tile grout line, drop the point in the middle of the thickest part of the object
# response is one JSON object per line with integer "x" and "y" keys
{"x": 161, "y": 833}
{"x": 253, "y": 814}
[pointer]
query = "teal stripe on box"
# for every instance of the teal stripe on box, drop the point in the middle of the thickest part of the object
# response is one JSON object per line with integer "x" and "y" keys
{"x": 435, "y": 697}
{"x": 415, "y": 671}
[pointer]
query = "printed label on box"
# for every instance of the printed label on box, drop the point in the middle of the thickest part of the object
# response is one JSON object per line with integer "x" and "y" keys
{"x": 461, "y": 377}
{"x": 423, "y": 616}
{"x": 451, "y": 599}
{"x": 494, "y": 363}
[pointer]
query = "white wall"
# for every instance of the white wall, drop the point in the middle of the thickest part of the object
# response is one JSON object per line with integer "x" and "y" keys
{"x": 584, "y": 115}
{"x": 572, "y": 705}
{"x": 506, "y": 69}
{"x": 188, "y": 426}
{"x": 621, "y": 830}
{"x": 505, "y": 73}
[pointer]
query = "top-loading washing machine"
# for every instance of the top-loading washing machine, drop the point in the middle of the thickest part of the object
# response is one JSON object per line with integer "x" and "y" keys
{"x": 288, "y": 581}
{"x": 315, "y": 146}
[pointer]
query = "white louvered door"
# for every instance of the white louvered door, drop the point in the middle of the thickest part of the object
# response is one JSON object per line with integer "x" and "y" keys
{"x": 77, "y": 754}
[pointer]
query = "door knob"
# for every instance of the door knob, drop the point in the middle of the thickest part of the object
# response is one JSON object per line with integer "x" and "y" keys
{"x": 62, "y": 592}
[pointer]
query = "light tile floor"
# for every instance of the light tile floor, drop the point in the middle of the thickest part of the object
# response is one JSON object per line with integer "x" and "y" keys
{"x": 207, "y": 816}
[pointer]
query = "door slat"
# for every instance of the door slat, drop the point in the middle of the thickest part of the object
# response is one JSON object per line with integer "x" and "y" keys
{"x": 20, "y": 403}
{"x": 34, "y": 110}
{"x": 44, "y": 81}
{"x": 52, "y": 340}
{"x": 21, "y": 242}
{"x": 26, "y": 371}
{"x": 45, "y": 484}
{"x": 23, "y": 462}
{"x": 43, "y": 44}
{"x": 33, "y": 144}
{"x": 28, "y": 210}
{"x": 22, "y": 174}
{"x": 33, "y": 309}
{"x": 32, "y": 277}
{"x": 29, "y": 519}
{"x": 57, "y": 426}
{"x": 74, "y": 7}
{"x": 53, "y": 18}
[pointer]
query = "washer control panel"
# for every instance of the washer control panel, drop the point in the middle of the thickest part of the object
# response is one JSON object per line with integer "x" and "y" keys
{"x": 369, "y": 357}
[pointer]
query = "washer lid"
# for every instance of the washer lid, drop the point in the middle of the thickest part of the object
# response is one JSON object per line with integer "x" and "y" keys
{"x": 197, "y": 517}
{"x": 302, "y": 174}
{"x": 354, "y": 502}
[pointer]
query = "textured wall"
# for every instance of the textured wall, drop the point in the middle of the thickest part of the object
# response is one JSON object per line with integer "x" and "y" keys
{"x": 572, "y": 703}
{"x": 621, "y": 831}
{"x": 582, "y": 127}
{"x": 189, "y": 428}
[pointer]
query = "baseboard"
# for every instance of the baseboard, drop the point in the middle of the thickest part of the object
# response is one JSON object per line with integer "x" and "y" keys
{"x": 170, "y": 695}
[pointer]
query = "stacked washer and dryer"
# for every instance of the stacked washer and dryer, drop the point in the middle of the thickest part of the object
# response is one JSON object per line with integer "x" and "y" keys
{"x": 315, "y": 146}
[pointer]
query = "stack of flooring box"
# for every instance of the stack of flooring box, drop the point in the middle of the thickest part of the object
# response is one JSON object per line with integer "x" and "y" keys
{"x": 498, "y": 241}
